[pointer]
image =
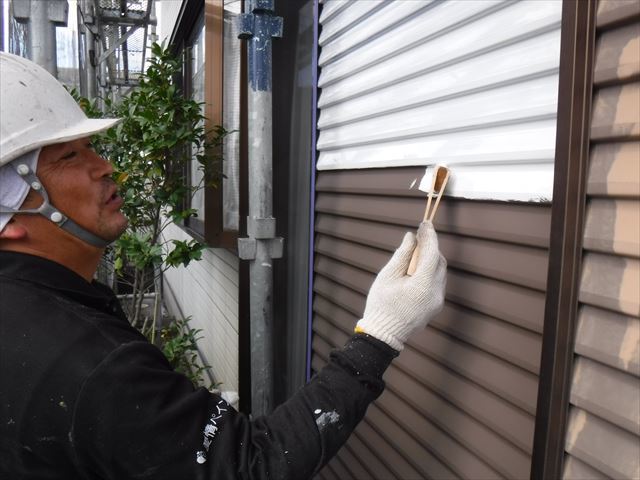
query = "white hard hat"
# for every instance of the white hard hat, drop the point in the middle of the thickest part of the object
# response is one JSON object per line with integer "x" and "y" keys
{"x": 36, "y": 110}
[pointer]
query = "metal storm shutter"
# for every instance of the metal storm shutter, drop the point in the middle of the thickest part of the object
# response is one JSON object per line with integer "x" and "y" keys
{"x": 603, "y": 433}
{"x": 472, "y": 84}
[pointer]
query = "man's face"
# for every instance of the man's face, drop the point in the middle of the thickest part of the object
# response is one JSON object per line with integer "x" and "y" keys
{"x": 79, "y": 184}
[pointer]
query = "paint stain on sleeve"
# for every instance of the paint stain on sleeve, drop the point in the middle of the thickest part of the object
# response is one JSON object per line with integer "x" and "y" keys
{"x": 324, "y": 419}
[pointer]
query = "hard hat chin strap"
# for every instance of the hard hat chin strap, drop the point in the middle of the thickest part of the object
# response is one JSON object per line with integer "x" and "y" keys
{"x": 50, "y": 212}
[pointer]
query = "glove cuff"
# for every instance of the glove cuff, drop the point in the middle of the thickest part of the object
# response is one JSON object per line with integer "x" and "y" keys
{"x": 385, "y": 335}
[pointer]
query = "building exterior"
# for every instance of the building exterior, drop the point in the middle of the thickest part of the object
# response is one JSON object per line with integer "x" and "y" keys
{"x": 533, "y": 367}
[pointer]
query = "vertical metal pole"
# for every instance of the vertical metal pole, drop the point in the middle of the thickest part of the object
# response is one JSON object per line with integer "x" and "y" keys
{"x": 41, "y": 19}
{"x": 2, "y": 46}
{"x": 86, "y": 24}
{"x": 42, "y": 38}
{"x": 259, "y": 25}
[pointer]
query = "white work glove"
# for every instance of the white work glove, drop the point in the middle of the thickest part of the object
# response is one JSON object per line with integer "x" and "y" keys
{"x": 398, "y": 304}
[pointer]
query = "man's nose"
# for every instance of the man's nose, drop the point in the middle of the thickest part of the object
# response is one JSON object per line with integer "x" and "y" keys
{"x": 103, "y": 167}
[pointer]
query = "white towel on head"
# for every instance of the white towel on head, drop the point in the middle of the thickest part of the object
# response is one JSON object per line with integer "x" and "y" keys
{"x": 13, "y": 189}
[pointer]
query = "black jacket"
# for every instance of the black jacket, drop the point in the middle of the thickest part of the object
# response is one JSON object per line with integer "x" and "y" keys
{"x": 83, "y": 395}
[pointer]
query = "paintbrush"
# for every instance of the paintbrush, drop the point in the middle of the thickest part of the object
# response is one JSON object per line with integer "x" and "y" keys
{"x": 439, "y": 181}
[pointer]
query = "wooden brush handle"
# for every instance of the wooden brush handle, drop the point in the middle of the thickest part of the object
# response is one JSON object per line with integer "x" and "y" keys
{"x": 442, "y": 183}
{"x": 413, "y": 263}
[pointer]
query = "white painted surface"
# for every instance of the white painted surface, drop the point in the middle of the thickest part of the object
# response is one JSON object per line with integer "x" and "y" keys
{"x": 167, "y": 12}
{"x": 208, "y": 292}
{"x": 469, "y": 84}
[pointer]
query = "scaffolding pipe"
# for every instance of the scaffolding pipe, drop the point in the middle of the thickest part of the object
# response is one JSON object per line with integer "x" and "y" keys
{"x": 41, "y": 19}
{"x": 87, "y": 44}
{"x": 259, "y": 25}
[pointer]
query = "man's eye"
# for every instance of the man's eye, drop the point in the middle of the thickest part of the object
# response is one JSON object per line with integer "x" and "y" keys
{"x": 68, "y": 155}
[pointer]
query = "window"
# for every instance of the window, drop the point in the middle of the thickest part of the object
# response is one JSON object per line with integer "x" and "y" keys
{"x": 207, "y": 36}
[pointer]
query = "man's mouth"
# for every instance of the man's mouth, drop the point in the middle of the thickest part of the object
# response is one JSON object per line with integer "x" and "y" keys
{"x": 114, "y": 197}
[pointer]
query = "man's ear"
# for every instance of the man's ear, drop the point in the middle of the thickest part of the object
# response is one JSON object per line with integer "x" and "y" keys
{"x": 13, "y": 231}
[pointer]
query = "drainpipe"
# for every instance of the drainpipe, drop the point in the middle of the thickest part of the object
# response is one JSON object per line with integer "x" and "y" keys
{"x": 41, "y": 19}
{"x": 258, "y": 25}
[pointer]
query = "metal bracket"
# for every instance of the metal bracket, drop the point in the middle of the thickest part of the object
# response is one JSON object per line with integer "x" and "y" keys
{"x": 247, "y": 247}
{"x": 58, "y": 12}
{"x": 21, "y": 11}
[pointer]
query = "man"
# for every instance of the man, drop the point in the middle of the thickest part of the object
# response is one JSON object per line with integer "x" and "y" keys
{"x": 83, "y": 395}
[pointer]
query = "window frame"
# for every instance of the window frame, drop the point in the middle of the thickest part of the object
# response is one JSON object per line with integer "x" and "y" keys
{"x": 209, "y": 230}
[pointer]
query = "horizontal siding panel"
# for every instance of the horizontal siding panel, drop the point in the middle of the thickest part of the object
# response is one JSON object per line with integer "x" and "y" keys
{"x": 372, "y": 460}
{"x": 504, "y": 418}
{"x": 609, "y": 338}
{"x": 612, "y": 395}
{"x": 517, "y": 305}
{"x": 351, "y": 462}
{"x": 379, "y": 236}
{"x": 461, "y": 430}
{"x": 344, "y": 19}
{"x": 425, "y": 462}
{"x": 611, "y": 282}
{"x": 618, "y": 55}
{"x": 613, "y": 226}
{"x": 344, "y": 274}
{"x": 511, "y": 65}
{"x": 429, "y": 116}
{"x": 393, "y": 15}
{"x": 400, "y": 182}
{"x": 516, "y": 345}
{"x": 614, "y": 170}
{"x": 522, "y": 266}
{"x": 603, "y": 446}
{"x": 614, "y": 12}
{"x": 513, "y": 384}
{"x": 439, "y": 441}
{"x": 339, "y": 469}
{"x": 574, "y": 469}
{"x": 346, "y": 298}
{"x": 615, "y": 113}
{"x": 517, "y": 147}
{"x": 331, "y": 8}
{"x": 512, "y": 223}
{"x": 452, "y": 32}
{"x": 511, "y": 263}
{"x": 354, "y": 254}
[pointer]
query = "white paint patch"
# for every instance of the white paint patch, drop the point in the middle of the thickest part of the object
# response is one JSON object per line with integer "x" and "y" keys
{"x": 327, "y": 418}
{"x": 576, "y": 424}
{"x": 529, "y": 182}
{"x": 630, "y": 344}
{"x": 317, "y": 411}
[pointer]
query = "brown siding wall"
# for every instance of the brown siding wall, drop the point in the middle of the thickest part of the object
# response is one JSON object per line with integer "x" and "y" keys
{"x": 460, "y": 400}
{"x": 603, "y": 435}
